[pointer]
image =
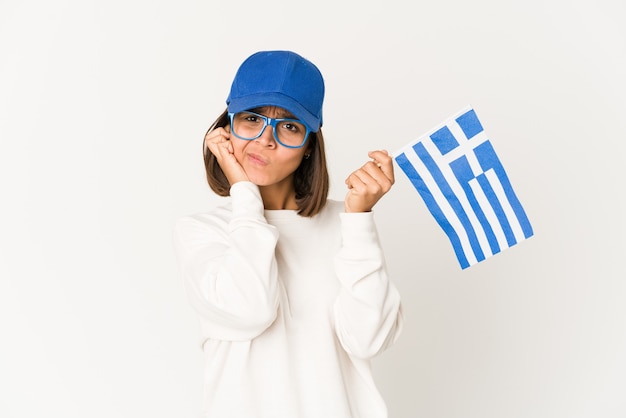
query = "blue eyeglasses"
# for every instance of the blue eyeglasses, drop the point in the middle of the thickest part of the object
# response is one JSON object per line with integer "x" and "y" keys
{"x": 290, "y": 133}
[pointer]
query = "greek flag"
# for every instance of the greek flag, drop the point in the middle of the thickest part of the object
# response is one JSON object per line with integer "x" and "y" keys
{"x": 456, "y": 171}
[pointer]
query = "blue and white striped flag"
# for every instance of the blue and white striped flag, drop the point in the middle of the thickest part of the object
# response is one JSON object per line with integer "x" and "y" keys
{"x": 460, "y": 178}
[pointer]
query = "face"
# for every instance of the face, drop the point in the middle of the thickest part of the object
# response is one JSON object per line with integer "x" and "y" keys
{"x": 266, "y": 162}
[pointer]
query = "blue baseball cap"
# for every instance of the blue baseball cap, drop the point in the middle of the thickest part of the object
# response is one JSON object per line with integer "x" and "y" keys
{"x": 279, "y": 78}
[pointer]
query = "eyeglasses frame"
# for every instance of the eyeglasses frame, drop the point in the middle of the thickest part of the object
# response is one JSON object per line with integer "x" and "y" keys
{"x": 271, "y": 122}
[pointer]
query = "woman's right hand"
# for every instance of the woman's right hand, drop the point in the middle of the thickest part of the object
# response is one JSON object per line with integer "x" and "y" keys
{"x": 218, "y": 142}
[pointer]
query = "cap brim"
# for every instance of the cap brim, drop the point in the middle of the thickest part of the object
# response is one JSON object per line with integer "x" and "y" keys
{"x": 275, "y": 99}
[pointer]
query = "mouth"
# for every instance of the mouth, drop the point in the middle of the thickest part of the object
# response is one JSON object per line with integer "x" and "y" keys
{"x": 256, "y": 159}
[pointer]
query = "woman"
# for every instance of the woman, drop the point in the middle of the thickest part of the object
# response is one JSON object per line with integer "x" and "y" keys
{"x": 291, "y": 288}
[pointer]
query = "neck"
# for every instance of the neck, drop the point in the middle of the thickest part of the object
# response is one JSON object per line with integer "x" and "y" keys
{"x": 278, "y": 197}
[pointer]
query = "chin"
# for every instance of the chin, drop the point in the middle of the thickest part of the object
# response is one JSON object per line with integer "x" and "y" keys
{"x": 260, "y": 180}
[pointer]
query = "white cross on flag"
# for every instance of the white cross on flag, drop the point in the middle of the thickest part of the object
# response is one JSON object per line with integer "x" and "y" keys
{"x": 465, "y": 187}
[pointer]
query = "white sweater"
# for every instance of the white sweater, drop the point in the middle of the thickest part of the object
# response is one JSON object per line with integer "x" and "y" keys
{"x": 291, "y": 309}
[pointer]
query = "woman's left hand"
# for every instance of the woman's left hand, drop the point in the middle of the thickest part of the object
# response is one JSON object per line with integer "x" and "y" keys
{"x": 370, "y": 182}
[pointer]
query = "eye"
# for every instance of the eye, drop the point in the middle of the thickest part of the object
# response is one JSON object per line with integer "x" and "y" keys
{"x": 290, "y": 126}
{"x": 249, "y": 118}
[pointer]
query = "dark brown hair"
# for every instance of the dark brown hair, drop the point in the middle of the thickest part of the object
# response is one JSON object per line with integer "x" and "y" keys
{"x": 311, "y": 180}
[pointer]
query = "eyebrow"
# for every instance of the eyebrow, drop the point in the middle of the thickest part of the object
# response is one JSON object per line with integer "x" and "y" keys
{"x": 284, "y": 114}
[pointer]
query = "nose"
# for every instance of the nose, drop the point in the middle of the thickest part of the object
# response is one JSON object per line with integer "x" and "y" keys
{"x": 267, "y": 137}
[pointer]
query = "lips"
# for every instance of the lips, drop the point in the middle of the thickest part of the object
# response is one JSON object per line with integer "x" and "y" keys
{"x": 257, "y": 159}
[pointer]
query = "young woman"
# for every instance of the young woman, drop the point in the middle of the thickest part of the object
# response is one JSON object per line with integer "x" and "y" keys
{"x": 290, "y": 287}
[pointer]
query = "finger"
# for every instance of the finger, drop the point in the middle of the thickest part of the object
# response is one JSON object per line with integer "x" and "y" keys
{"x": 356, "y": 181}
{"x": 363, "y": 192}
{"x": 365, "y": 183}
{"x": 373, "y": 175}
{"x": 217, "y": 133}
{"x": 378, "y": 155}
{"x": 384, "y": 162}
{"x": 218, "y": 147}
{"x": 216, "y": 137}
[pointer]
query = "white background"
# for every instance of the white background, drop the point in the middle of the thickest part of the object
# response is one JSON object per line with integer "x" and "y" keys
{"x": 103, "y": 107}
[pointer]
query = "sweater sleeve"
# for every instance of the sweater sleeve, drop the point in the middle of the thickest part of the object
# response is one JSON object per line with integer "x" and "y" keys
{"x": 368, "y": 312}
{"x": 229, "y": 270}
